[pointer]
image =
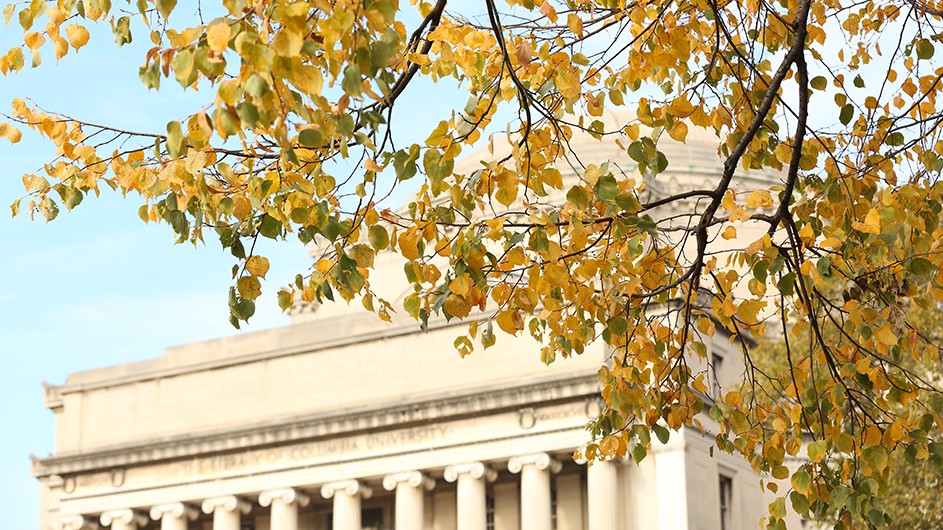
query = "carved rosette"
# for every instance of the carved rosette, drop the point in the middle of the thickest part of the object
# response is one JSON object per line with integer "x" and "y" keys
{"x": 541, "y": 461}
{"x": 284, "y": 496}
{"x": 413, "y": 479}
{"x": 475, "y": 470}
{"x": 126, "y": 517}
{"x": 229, "y": 503}
{"x": 348, "y": 487}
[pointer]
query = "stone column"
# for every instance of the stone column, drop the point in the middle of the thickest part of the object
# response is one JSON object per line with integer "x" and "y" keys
{"x": 346, "y": 495}
{"x": 284, "y": 503}
{"x": 227, "y": 512}
{"x": 411, "y": 487}
{"x": 122, "y": 519}
{"x": 471, "y": 506}
{"x": 602, "y": 487}
{"x": 535, "y": 469}
{"x": 173, "y": 516}
{"x": 76, "y": 522}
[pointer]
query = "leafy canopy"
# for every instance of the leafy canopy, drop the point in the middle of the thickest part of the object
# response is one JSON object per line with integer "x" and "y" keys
{"x": 837, "y": 97}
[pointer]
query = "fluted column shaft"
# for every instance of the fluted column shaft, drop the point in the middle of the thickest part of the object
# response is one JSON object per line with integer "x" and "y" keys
{"x": 602, "y": 495}
{"x": 535, "y": 469}
{"x": 227, "y": 512}
{"x": 284, "y": 503}
{"x": 410, "y": 497}
{"x": 346, "y": 495}
{"x": 471, "y": 508}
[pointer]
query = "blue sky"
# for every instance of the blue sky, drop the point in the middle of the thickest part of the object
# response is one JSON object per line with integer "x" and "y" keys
{"x": 97, "y": 286}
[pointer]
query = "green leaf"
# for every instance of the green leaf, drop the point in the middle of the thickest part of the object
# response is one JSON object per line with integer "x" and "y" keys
{"x": 858, "y": 81}
{"x": 925, "y": 49}
{"x": 661, "y": 433}
{"x": 607, "y": 187}
{"x": 578, "y": 197}
{"x": 378, "y": 237}
{"x": 847, "y": 113}
{"x": 256, "y": 86}
{"x": 816, "y": 451}
{"x": 270, "y": 227}
{"x": 818, "y": 82}
{"x": 352, "y": 83}
{"x": 921, "y": 267}
{"x": 310, "y": 137}
{"x": 801, "y": 482}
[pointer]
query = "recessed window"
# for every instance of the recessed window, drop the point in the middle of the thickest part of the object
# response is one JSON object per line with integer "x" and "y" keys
{"x": 717, "y": 366}
{"x": 726, "y": 499}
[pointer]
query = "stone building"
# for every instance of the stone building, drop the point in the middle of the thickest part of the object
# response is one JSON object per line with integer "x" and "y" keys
{"x": 339, "y": 421}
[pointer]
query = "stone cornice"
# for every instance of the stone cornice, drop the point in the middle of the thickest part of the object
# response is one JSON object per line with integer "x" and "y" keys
{"x": 432, "y": 409}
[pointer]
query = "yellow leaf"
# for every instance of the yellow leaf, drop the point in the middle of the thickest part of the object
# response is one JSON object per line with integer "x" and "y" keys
{"x": 807, "y": 235}
{"x": 217, "y": 36}
{"x": 77, "y": 35}
{"x": 886, "y": 336}
{"x": 249, "y": 287}
{"x": 871, "y": 224}
{"x": 457, "y": 306}
{"x": 510, "y": 321}
{"x": 10, "y": 133}
{"x": 872, "y": 436}
{"x": 287, "y": 43}
{"x": 760, "y": 199}
{"x": 34, "y": 40}
{"x": 678, "y": 132}
{"x": 257, "y": 266}
{"x": 460, "y": 286}
{"x": 729, "y": 233}
{"x": 547, "y": 10}
{"x": 575, "y": 24}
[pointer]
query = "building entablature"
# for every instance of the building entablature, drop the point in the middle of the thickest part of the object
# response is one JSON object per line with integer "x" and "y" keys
{"x": 520, "y": 400}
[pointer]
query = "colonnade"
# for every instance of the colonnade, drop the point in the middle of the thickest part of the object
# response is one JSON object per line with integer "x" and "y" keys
{"x": 410, "y": 487}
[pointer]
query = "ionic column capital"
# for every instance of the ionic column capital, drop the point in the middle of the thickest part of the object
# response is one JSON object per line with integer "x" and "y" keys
{"x": 229, "y": 503}
{"x": 126, "y": 516}
{"x": 284, "y": 495}
{"x": 349, "y": 487}
{"x": 76, "y": 522}
{"x": 473, "y": 469}
{"x": 177, "y": 510}
{"x": 414, "y": 479}
{"x": 541, "y": 461}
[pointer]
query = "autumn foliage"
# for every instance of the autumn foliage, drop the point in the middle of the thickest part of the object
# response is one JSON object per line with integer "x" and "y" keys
{"x": 837, "y": 98}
